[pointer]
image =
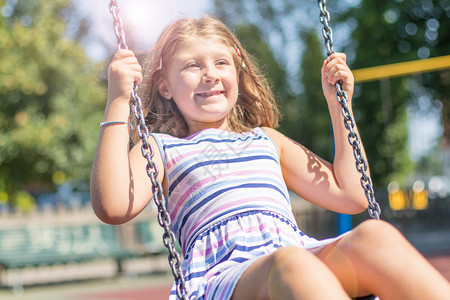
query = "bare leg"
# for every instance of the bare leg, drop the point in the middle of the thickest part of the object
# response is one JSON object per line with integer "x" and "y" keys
{"x": 376, "y": 258}
{"x": 288, "y": 273}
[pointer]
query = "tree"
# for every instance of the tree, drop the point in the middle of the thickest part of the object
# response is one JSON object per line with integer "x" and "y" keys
{"x": 52, "y": 99}
{"x": 388, "y": 32}
{"x": 314, "y": 118}
{"x": 424, "y": 31}
{"x": 381, "y": 110}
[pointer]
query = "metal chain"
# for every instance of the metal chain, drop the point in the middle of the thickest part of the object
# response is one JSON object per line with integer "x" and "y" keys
{"x": 151, "y": 168}
{"x": 349, "y": 122}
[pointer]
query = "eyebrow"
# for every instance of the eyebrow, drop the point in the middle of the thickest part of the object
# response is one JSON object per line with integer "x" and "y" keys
{"x": 187, "y": 56}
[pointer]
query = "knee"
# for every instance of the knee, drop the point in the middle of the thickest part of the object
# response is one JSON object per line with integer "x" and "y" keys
{"x": 374, "y": 228}
{"x": 376, "y": 232}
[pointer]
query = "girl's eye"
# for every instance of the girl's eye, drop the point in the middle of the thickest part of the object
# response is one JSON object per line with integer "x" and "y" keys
{"x": 222, "y": 62}
{"x": 192, "y": 65}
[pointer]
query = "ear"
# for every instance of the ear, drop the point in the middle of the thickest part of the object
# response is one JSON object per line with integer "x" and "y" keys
{"x": 164, "y": 90}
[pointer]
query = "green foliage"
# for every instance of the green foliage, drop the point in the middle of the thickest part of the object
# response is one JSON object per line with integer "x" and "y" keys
{"x": 424, "y": 30}
{"x": 263, "y": 56}
{"x": 313, "y": 115}
{"x": 51, "y": 97}
{"x": 388, "y": 32}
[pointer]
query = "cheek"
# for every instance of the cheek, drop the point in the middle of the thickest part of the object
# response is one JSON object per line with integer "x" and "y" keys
{"x": 235, "y": 87}
{"x": 181, "y": 90}
{"x": 186, "y": 85}
{"x": 231, "y": 80}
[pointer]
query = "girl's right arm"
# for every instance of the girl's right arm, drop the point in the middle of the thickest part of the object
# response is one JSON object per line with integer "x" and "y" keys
{"x": 120, "y": 187}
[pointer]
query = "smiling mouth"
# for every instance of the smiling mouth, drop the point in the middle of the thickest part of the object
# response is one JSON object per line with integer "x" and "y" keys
{"x": 209, "y": 94}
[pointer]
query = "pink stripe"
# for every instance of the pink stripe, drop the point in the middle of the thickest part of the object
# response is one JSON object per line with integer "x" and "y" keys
{"x": 192, "y": 188}
{"x": 181, "y": 202}
{"x": 181, "y": 156}
{"x": 176, "y": 159}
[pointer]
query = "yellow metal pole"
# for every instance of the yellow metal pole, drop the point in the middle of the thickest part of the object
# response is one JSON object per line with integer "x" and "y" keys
{"x": 403, "y": 68}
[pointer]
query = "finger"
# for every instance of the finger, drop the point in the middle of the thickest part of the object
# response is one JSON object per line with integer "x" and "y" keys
{"x": 333, "y": 62}
{"x": 123, "y": 53}
{"x": 336, "y": 58}
{"x": 130, "y": 60}
{"x": 335, "y": 55}
{"x": 341, "y": 75}
{"x": 335, "y": 65}
{"x": 125, "y": 65}
{"x": 339, "y": 71}
{"x": 324, "y": 70}
{"x": 123, "y": 69}
{"x": 137, "y": 77}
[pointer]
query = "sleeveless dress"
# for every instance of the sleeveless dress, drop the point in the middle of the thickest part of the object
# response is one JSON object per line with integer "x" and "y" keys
{"x": 229, "y": 206}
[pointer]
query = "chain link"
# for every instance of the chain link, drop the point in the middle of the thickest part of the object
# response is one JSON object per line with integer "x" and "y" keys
{"x": 151, "y": 168}
{"x": 349, "y": 122}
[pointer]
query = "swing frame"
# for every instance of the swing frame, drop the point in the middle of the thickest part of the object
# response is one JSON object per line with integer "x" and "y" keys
{"x": 147, "y": 150}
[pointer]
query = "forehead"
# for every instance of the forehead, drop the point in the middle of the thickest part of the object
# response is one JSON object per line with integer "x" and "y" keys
{"x": 201, "y": 47}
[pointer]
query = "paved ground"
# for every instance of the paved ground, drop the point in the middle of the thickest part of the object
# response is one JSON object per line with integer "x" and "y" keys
{"x": 154, "y": 287}
{"x": 436, "y": 247}
{"x": 442, "y": 264}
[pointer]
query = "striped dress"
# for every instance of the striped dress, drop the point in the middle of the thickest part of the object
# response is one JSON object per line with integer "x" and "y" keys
{"x": 229, "y": 205}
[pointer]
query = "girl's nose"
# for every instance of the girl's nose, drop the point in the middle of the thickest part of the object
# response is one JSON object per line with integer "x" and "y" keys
{"x": 210, "y": 75}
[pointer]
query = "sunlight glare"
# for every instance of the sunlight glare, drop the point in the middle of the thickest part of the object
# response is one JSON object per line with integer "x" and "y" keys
{"x": 145, "y": 19}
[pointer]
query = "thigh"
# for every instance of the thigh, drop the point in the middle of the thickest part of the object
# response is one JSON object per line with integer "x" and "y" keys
{"x": 359, "y": 257}
{"x": 375, "y": 258}
{"x": 288, "y": 273}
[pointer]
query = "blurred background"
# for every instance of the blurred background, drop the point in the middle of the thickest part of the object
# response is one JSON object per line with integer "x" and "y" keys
{"x": 53, "y": 77}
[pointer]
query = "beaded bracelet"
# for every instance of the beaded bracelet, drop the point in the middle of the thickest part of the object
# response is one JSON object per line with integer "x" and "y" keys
{"x": 103, "y": 124}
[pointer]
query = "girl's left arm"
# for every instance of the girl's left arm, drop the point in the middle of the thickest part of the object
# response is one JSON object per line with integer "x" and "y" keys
{"x": 333, "y": 186}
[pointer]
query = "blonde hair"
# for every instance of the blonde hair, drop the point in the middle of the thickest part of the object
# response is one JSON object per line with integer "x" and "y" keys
{"x": 255, "y": 105}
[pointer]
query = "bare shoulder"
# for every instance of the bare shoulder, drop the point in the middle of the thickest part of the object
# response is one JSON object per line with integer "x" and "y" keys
{"x": 271, "y": 132}
{"x": 276, "y": 137}
{"x": 282, "y": 142}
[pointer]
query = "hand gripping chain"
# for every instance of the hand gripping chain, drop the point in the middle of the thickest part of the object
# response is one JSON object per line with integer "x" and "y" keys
{"x": 353, "y": 138}
{"x": 152, "y": 168}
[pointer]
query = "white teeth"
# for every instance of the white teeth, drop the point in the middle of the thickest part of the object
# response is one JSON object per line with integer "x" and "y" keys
{"x": 210, "y": 94}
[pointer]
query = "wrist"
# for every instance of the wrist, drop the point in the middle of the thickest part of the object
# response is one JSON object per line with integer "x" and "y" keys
{"x": 333, "y": 102}
{"x": 117, "y": 110}
{"x": 123, "y": 100}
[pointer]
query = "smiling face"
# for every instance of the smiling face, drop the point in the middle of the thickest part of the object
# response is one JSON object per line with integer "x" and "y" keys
{"x": 203, "y": 81}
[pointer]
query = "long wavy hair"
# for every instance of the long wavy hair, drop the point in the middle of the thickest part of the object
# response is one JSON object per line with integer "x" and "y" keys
{"x": 255, "y": 105}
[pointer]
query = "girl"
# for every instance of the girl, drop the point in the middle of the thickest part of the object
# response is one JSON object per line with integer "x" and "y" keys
{"x": 226, "y": 174}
